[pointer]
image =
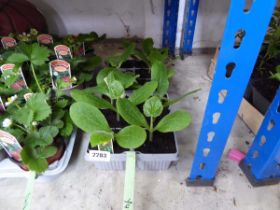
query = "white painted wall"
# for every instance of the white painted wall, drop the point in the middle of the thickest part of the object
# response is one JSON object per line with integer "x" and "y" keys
{"x": 119, "y": 18}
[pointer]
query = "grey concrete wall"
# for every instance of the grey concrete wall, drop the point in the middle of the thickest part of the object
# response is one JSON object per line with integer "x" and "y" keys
{"x": 120, "y": 18}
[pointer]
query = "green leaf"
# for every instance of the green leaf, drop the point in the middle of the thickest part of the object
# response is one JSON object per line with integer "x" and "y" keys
{"x": 39, "y": 55}
{"x": 17, "y": 58}
{"x": 175, "y": 121}
{"x": 117, "y": 60}
{"x": 23, "y": 116}
{"x": 148, "y": 45}
{"x": 38, "y": 104}
{"x": 115, "y": 88}
{"x": 102, "y": 74}
{"x": 143, "y": 93}
{"x": 130, "y": 113}
{"x": 46, "y": 152}
{"x": 48, "y": 131}
{"x": 84, "y": 96}
{"x": 170, "y": 73}
{"x": 39, "y": 165}
{"x": 62, "y": 103}
{"x": 100, "y": 137}
{"x": 153, "y": 107}
{"x": 127, "y": 79}
{"x": 131, "y": 137}
{"x": 159, "y": 74}
{"x": 88, "y": 118}
{"x": 68, "y": 127}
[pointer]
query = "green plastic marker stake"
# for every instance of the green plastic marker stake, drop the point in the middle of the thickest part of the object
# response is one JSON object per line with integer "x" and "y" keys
{"x": 128, "y": 199}
{"x": 29, "y": 190}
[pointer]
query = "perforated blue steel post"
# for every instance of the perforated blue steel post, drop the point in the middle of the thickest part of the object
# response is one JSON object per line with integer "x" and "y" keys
{"x": 262, "y": 162}
{"x": 234, "y": 67}
{"x": 170, "y": 25}
{"x": 190, "y": 16}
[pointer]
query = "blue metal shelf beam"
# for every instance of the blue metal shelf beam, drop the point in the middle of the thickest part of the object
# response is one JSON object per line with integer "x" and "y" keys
{"x": 262, "y": 162}
{"x": 234, "y": 67}
{"x": 170, "y": 25}
{"x": 190, "y": 16}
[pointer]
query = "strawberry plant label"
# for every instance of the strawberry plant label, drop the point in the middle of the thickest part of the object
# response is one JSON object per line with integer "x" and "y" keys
{"x": 10, "y": 145}
{"x": 98, "y": 155}
{"x": 13, "y": 76}
{"x": 8, "y": 42}
{"x": 2, "y": 107}
{"x": 63, "y": 52}
{"x": 61, "y": 74}
{"x": 45, "y": 39}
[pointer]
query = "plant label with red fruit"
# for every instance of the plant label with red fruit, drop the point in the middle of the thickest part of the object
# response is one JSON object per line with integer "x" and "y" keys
{"x": 45, "y": 39}
{"x": 20, "y": 82}
{"x": 63, "y": 52}
{"x": 98, "y": 155}
{"x": 60, "y": 73}
{"x": 10, "y": 145}
{"x": 8, "y": 42}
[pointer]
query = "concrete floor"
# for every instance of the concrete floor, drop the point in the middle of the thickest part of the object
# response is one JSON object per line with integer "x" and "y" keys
{"x": 81, "y": 186}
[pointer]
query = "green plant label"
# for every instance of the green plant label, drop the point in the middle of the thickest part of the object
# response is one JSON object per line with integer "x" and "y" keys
{"x": 10, "y": 145}
{"x": 8, "y": 42}
{"x": 61, "y": 73}
{"x": 2, "y": 107}
{"x": 27, "y": 96}
{"x": 20, "y": 82}
{"x": 106, "y": 147}
{"x": 45, "y": 39}
{"x": 63, "y": 52}
{"x": 98, "y": 155}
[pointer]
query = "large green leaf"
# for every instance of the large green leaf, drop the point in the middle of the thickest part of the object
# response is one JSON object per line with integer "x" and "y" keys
{"x": 85, "y": 96}
{"x": 175, "y": 121}
{"x": 153, "y": 107}
{"x": 102, "y": 74}
{"x": 115, "y": 88}
{"x": 17, "y": 58}
{"x": 159, "y": 74}
{"x": 100, "y": 137}
{"x": 130, "y": 113}
{"x": 131, "y": 137}
{"x": 24, "y": 116}
{"x": 88, "y": 118}
{"x": 34, "y": 164}
{"x": 117, "y": 60}
{"x": 46, "y": 152}
{"x": 143, "y": 93}
{"x": 39, "y": 55}
{"x": 38, "y": 104}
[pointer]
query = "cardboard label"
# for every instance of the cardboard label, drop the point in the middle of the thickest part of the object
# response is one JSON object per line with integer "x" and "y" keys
{"x": 45, "y": 39}
{"x": 8, "y": 42}
{"x": 98, "y": 155}
{"x": 10, "y": 145}
{"x": 106, "y": 147}
{"x": 60, "y": 71}
{"x": 63, "y": 52}
{"x": 20, "y": 82}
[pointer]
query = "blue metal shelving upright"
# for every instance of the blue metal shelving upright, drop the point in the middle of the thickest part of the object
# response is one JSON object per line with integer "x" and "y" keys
{"x": 190, "y": 15}
{"x": 170, "y": 25}
{"x": 262, "y": 162}
{"x": 233, "y": 70}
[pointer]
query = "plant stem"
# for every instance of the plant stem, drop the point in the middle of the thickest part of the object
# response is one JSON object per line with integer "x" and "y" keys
{"x": 20, "y": 127}
{"x": 151, "y": 129}
{"x": 35, "y": 77}
{"x": 118, "y": 115}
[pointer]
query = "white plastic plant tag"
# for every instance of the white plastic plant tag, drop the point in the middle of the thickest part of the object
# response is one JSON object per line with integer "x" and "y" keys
{"x": 2, "y": 106}
{"x": 8, "y": 42}
{"x": 45, "y": 39}
{"x": 10, "y": 145}
{"x": 98, "y": 155}
{"x": 63, "y": 52}
{"x": 60, "y": 73}
{"x": 20, "y": 82}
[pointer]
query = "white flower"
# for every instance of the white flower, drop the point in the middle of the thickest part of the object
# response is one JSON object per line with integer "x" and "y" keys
{"x": 34, "y": 123}
{"x": 74, "y": 79}
{"x": 6, "y": 123}
{"x": 11, "y": 100}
